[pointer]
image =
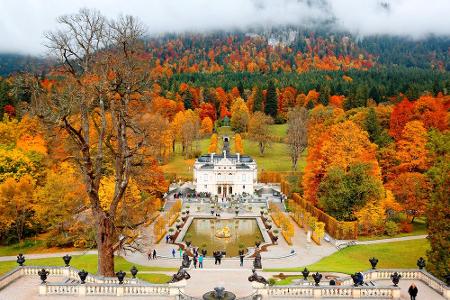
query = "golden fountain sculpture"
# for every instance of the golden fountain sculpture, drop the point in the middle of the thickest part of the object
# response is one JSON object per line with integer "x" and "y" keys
{"x": 223, "y": 233}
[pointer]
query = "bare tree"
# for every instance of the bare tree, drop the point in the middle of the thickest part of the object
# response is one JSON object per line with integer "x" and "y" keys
{"x": 297, "y": 133}
{"x": 101, "y": 75}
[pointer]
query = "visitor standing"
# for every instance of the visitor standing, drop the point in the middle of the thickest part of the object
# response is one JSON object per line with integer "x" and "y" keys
{"x": 154, "y": 253}
{"x": 167, "y": 239}
{"x": 241, "y": 259}
{"x": 200, "y": 262}
{"x": 195, "y": 262}
{"x": 181, "y": 252}
{"x": 412, "y": 291}
{"x": 149, "y": 254}
{"x": 173, "y": 253}
{"x": 219, "y": 257}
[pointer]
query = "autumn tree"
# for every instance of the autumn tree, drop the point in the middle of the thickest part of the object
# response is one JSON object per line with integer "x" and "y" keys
{"x": 103, "y": 77}
{"x": 402, "y": 114}
{"x": 258, "y": 99}
{"x": 16, "y": 204}
{"x": 62, "y": 197}
{"x": 438, "y": 209}
{"x": 411, "y": 190}
{"x": 343, "y": 191}
{"x": 297, "y": 133}
{"x": 270, "y": 108}
{"x": 258, "y": 130}
{"x": 206, "y": 126}
{"x": 238, "y": 146}
{"x": 239, "y": 116}
{"x": 376, "y": 133}
{"x": 213, "y": 147}
{"x": 411, "y": 147}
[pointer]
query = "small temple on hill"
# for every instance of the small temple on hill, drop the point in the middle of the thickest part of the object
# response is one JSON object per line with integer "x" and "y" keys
{"x": 225, "y": 174}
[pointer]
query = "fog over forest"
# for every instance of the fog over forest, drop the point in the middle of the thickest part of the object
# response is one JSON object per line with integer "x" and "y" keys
{"x": 23, "y": 22}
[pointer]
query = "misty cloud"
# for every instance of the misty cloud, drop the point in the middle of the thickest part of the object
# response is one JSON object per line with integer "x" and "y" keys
{"x": 22, "y": 22}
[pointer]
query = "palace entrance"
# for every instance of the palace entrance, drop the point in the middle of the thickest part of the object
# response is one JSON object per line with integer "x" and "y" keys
{"x": 224, "y": 190}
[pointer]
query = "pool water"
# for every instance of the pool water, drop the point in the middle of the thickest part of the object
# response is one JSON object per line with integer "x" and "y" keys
{"x": 243, "y": 231}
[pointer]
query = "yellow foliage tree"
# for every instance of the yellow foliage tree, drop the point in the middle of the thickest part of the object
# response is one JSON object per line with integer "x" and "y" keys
{"x": 16, "y": 204}
{"x": 207, "y": 126}
{"x": 238, "y": 146}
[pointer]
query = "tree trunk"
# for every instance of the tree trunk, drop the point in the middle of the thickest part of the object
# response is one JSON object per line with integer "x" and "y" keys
{"x": 105, "y": 244}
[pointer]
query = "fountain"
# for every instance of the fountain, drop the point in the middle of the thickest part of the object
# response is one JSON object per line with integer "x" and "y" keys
{"x": 223, "y": 233}
{"x": 219, "y": 293}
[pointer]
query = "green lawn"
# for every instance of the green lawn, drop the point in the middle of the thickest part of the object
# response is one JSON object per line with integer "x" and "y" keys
{"x": 278, "y": 130}
{"x": 89, "y": 263}
{"x": 419, "y": 228}
{"x": 356, "y": 258}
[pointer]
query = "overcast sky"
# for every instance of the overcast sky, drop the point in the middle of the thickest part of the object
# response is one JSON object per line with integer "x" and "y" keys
{"x": 23, "y": 22}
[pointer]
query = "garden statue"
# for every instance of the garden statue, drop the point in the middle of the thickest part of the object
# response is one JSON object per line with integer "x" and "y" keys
{"x": 305, "y": 273}
{"x": 180, "y": 275}
{"x": 257, "y": 278}
{"x": 120, "y": 276}
{"x": 133, "y": 271}
{"x": 20, "y": 259}
{"x": 421, "y": 263}
{"x": 395, "y": 278}
{"x": 373, "y": 261}
{"x": 43, "y": 275}
{"x": 67, "y": 259}
{"x": 83, "y": 274}
{"x": 317, "y": 277}
{"x": 186, "y": 261}
{"x": 257, "y": 262}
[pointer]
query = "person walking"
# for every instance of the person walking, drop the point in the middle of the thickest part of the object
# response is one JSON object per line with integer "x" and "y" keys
{"x": 149, "y": 254}
{"x": 167, "y": 239}
{"x": 219, "y": 257}
{"x": 241, "y": 259}
{"x": 195, "y": 262}
{"x": 413, "y": 291}
{"x": 181, "y": 252}
{"x": 200, "y": 262}
{"x": 154, "y": 253}
{"x": 173, "y": 253}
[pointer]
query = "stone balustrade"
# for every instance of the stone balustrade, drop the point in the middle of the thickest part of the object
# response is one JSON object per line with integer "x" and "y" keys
{"x": 94, "y": 286}
{"x": 331, "y": 292}
{"x": 409, "y": 274}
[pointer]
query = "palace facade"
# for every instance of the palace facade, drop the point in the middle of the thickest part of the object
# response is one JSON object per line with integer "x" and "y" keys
{"x": 225, "y": 174}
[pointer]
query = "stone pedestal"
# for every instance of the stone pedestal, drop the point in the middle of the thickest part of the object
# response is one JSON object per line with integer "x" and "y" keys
{"x": 356, "y": 293}
{"x": 43, "y": 289}
{"x": 82, "y": 290}
{"x": 396, "y": 294}
{"x": 317, "y": 293}
{"x": 119, "y": 291}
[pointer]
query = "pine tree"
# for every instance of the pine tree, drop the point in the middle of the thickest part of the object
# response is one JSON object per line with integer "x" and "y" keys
{"x": 375, "y": 94}
{"x": 271, "y": 100}
{"x": 187, "y": 100}
{"x": 241, "y": 89}
{"x": 373, "y": 125}
{"x": 257, "y": 106}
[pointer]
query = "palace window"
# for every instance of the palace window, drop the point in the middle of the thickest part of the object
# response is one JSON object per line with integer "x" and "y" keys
{"x": 243, "y": 177}
{"x": 243, "y": 187}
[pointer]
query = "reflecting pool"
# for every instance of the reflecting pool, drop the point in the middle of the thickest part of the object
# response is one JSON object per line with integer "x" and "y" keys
{"x": 224, "y": 235}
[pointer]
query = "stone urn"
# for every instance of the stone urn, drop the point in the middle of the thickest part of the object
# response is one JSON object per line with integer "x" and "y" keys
{"x": 134, "y": 271}
{"x": 317, "y": 277}
{"x": 83, "y": 274}
{"x": 373, "y": 262}
{"x": 66, "y": 258}
{"x": 421, "y": 263}
{"x": 20, "y": 259}
{"x": 395, "y": 278}
{"x": 43, "y": 275}
{"x": 305, "y": 273}
{"x": 120, "y": 276}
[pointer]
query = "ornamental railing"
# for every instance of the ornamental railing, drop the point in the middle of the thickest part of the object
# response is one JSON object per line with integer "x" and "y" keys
{"x": 93, "y": 286}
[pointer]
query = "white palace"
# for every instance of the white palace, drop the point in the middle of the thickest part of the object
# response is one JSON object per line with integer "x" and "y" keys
{"x": 225, "y": 174}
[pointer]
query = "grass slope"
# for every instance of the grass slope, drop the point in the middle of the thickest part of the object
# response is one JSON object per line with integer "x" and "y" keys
{"x": 402, "y": 255}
